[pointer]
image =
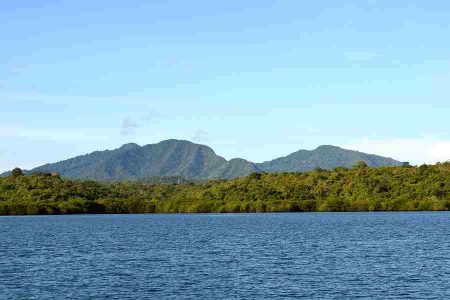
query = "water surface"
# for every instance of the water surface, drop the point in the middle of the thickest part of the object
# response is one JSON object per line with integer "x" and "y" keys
{"x": 237, "y": 256}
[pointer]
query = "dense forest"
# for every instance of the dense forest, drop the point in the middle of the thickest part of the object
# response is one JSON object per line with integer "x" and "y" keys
{"x": 361, "y": 188}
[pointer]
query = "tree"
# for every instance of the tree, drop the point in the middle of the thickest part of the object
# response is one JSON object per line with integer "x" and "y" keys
{"x": 17, "y": 172}
{"x": 360, "y": 165}
{"x": 359, "y": 189}
{"x": 255, "y": 176}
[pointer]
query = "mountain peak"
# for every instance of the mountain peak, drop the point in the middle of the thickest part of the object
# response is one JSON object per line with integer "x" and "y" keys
{"x": 195, "y": 161}
{"x": 129, "y": 146}
{"x": 174, "y": 141}
{"x": 328, "y": 147}
{"x": 324, "y": 157}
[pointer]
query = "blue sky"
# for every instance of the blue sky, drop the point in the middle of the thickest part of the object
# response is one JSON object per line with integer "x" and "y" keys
{"x": 252, "y": 79}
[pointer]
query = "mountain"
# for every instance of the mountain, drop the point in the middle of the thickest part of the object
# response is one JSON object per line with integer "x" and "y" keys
{"x": 325, "y": 157}
{"x": 131, "y": 162}
{"x": 179, "y": 158}
{"x": 236, "y": 167}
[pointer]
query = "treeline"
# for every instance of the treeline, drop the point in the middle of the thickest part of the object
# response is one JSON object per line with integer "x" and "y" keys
{"x": 361, "y": 188}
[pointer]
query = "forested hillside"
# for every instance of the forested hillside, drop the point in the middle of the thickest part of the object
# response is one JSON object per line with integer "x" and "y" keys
{"x": 357, "y": 189}
{"x": 325, "y": 157}
{"x": 178, "y": 158}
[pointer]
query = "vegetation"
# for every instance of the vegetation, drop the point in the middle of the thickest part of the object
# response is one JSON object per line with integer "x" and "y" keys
{"x": 361, "y": 188}
{"x": 325, "y": 157}
{"x": 172, "y": 158}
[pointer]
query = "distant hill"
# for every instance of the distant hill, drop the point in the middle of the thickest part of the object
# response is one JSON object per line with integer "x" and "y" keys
{"x": 184, "y": 159}
{"x": 325, "y": 157}
{"x": 132, "y": 162}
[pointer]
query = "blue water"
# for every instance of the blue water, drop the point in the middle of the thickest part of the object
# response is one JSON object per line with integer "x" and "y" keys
{"x": 232, "y": 256}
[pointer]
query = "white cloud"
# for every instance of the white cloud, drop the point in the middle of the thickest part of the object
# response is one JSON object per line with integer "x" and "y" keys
{"x": 417, "y": 151}
{"x": 200, "y": 136}
{"x": 8, "y": 132}
{"x": 128, "y": 127}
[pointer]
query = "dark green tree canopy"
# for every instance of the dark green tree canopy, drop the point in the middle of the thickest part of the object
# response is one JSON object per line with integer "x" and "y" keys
{"x": 17, "y": 172}
{"x": 361, "y": 165}
{"x": 369, "y": 189}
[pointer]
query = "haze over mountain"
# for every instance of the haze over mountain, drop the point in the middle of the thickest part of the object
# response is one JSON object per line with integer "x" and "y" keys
{"x": 195, "y": 161}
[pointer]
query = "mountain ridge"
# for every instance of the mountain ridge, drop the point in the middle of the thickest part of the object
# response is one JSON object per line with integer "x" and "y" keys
{"x": 172, "y": 158}
{"x": 304, "y": 160}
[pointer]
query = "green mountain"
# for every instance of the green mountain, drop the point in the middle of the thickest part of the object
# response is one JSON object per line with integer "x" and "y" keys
{"x": 325, "y": 157}
{"x": 184, "y": 159}
{"x": 132, "y": 162}
{"x": 236, "y": 167}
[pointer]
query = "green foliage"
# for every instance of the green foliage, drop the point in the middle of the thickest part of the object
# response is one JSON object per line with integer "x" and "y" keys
{"x": 357, "y": 189}
{"x": 360, "y": 165}
{"x": 17, "y": 172}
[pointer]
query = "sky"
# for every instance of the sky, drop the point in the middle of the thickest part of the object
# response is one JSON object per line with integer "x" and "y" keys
{"x": 251, "y": 79}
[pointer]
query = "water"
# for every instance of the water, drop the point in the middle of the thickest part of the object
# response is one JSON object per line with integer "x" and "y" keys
{"x": 237, "y": 256}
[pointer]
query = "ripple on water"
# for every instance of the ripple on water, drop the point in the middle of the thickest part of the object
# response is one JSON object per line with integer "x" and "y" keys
{"x": 259, "y": 256}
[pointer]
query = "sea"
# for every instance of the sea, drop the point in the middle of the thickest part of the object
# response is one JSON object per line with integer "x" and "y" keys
{"x": 390, "y": 255}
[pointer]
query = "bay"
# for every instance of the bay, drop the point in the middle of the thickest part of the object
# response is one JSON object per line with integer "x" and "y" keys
{"x": 395, "y": 255}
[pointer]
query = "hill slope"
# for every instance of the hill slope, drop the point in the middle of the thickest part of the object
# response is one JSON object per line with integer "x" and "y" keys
{"x": 325, "y": 157}
{"x": 172, "y": 158}
{"x": 131, "y": 162}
